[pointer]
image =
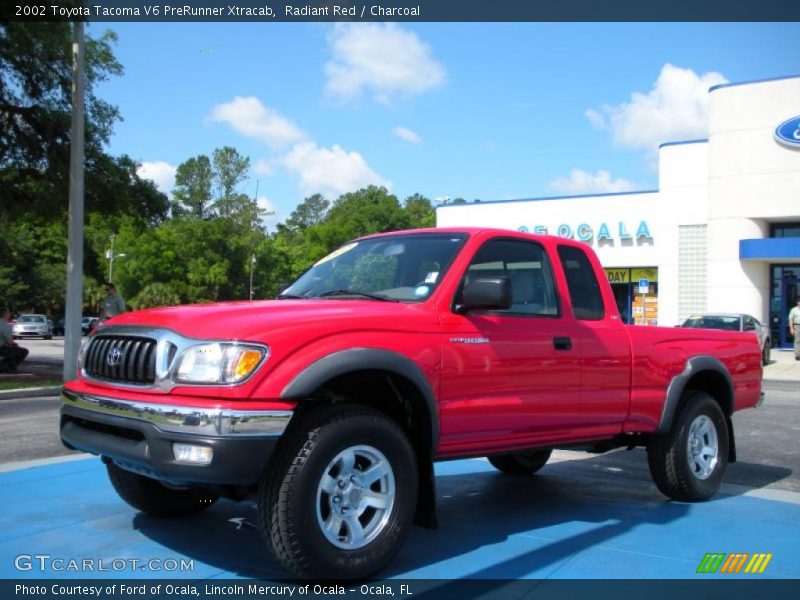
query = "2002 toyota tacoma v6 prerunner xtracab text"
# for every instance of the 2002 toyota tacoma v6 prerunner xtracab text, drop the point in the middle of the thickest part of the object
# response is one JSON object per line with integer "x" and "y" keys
{"x": 332, "y": 402}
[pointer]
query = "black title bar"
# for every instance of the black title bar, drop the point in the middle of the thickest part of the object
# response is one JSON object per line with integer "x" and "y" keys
{"x": 269, "y": 11}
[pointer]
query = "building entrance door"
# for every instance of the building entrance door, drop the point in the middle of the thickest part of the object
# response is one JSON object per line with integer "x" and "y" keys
{"x": 785, "y": 284}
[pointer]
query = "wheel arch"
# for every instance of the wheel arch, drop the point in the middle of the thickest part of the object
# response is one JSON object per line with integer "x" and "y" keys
{"x": 705, "y": 374}
{"x": 369, "y": 376}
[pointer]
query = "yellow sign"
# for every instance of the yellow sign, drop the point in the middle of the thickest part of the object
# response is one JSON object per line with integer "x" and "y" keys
{"x": 650, "y": 273}
{"x": 618, "y": 275}
{"x": 335, "y": 253}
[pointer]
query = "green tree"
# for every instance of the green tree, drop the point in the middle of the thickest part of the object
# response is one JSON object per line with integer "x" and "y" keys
{"x": 229, "y": 170}
{"x": 369, "y": 210}
{"x": 420, "y": 211}
{"x": 192, "y": 194}
{"x": 309, "y": 212}
{"x": 154, "y": 295}
{"x": 35, "y": 109}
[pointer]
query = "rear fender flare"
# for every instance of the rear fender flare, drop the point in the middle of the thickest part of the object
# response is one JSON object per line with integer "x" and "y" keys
{"x": 694, "y": 366}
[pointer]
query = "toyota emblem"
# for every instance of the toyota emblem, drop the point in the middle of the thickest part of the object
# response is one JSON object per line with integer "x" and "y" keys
{"x": 114, "y": 357}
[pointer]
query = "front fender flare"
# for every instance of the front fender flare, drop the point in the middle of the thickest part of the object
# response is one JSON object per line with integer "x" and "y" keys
{"x": 358, "y": 359}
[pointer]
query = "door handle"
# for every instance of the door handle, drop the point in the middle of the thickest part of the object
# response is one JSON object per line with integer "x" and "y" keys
{"x": 562, "y": 343}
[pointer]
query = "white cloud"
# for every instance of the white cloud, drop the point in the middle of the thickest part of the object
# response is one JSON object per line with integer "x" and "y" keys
{"x": 264, "y": 168}
{"x": 159, "y": 172}
{"x": 329, "y": 171}
{"x": 251, "y": 118}
{"x": 675, "y": 109}
{"x": 581, "y": 183}
{"x": 404, "y": 133}
{"x": 381, "y": 58}
{"x": 271, "y": 218}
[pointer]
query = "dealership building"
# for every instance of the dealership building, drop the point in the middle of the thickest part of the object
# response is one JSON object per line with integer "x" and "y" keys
{"x": 722, "y": 231}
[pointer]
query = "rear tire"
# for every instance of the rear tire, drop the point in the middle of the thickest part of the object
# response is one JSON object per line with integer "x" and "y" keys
{"x": 156, "y": 499}
{"x": 520, "y": 463}
{"x": 339, "y": 498}
{"x": 766, "y": 353}
{"x": 688, "y": 462}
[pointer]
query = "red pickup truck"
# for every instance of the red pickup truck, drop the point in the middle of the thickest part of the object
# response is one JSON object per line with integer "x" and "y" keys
{"x": 331, "y": 402}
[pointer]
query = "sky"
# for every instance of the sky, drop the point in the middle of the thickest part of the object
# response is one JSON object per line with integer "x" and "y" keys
{"x": 486, "y": 111}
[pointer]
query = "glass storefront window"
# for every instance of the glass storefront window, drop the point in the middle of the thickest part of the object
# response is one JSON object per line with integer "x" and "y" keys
{"x": 784, "y": 291}
{"x": 785, "y": 230}
{"x": 637, "y": 304}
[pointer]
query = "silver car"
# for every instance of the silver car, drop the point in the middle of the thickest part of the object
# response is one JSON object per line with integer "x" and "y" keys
{"x": 734, "y": 322}
{"x": 33, "y": 326}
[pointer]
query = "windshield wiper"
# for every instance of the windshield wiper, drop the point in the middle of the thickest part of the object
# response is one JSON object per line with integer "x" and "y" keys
{"x": 356, "y": 293}
{"x": 290, "y": 297}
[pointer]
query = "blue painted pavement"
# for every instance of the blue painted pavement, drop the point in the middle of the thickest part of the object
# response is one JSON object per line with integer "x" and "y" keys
{"x": 570, "y": 521}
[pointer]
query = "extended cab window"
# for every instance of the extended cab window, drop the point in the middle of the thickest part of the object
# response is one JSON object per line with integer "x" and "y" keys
{"x": 526, "y": 266}
{"x": 584, "y": 290}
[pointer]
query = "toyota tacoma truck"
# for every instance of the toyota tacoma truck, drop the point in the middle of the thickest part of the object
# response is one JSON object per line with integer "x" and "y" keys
{"x": 331, "y": 403}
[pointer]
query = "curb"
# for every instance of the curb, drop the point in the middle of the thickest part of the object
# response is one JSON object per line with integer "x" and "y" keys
{"x": 30, "y": 392}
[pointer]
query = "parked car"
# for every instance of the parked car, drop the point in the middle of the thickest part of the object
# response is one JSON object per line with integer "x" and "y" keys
{"x": 332, "y": 402}
{"x": 734, "y": 322}
{"x": 58, "y": 328}
{"x": 88, "y": 324}
{"x": 33, "y": 326}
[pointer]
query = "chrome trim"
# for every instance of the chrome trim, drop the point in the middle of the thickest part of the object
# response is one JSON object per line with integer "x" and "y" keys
{"x": 185, "y": 419}
{"x": 165, "y": 338}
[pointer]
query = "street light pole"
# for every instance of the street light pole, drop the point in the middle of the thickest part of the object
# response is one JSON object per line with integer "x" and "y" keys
{"x": 111, "y": 258}
{"x": 74, "y": 299}
{"x": 252, "y": 266}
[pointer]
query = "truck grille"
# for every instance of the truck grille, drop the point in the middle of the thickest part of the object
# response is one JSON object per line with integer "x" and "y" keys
{"x": 128, "y": 359}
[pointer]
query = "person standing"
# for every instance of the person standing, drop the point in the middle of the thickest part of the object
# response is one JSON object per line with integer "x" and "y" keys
{"x": 114, "y": 305}
{"x": 11, "y": 354}
{"x": 794, "y": 328}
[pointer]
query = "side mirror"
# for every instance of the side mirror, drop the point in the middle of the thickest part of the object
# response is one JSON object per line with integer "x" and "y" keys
{"x": 490, "y": 293}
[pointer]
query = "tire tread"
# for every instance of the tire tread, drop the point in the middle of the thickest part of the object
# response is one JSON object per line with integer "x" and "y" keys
{"x": 275, "y": 518}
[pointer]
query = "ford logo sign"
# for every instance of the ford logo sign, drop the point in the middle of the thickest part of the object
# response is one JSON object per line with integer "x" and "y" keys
{"x": 788, "y": 133}
{"x": 114, "y": 357}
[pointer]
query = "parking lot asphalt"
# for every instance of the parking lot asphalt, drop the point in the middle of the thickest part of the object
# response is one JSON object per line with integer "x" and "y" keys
{"x": 578, "y": 518}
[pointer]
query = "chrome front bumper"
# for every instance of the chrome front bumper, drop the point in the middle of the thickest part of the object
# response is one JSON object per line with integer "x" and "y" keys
{"x": 140, "y": 437}
{"x": 183, "y": 419}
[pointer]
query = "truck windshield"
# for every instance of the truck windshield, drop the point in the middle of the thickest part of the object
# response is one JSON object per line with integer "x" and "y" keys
{"x": 403, "y": 268}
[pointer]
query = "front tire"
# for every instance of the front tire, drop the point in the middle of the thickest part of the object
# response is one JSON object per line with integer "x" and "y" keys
{"x": 689, "y": 462}
{"x": 766, "y": 353}
{"x": 156, "y": 499}
{"x": 339, "y": 498}
{"x": 520, "y": 463}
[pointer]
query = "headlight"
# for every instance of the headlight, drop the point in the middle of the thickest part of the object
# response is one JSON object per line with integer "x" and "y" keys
{"x": 218, "y": 363}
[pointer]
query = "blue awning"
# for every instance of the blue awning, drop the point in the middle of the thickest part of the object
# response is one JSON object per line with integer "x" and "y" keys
{"x": 772, "y": 249}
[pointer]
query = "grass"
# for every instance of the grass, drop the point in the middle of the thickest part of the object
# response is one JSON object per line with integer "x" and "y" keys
{"x": 30, "y": 383}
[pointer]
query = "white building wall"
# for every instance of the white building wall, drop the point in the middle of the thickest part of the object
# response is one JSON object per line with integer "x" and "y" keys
{"x": 752, "y": 181}
{"x": 683, "y": 200}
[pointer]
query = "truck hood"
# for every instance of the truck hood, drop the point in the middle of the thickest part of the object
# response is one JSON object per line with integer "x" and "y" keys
{"x": 252, "y": 321}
